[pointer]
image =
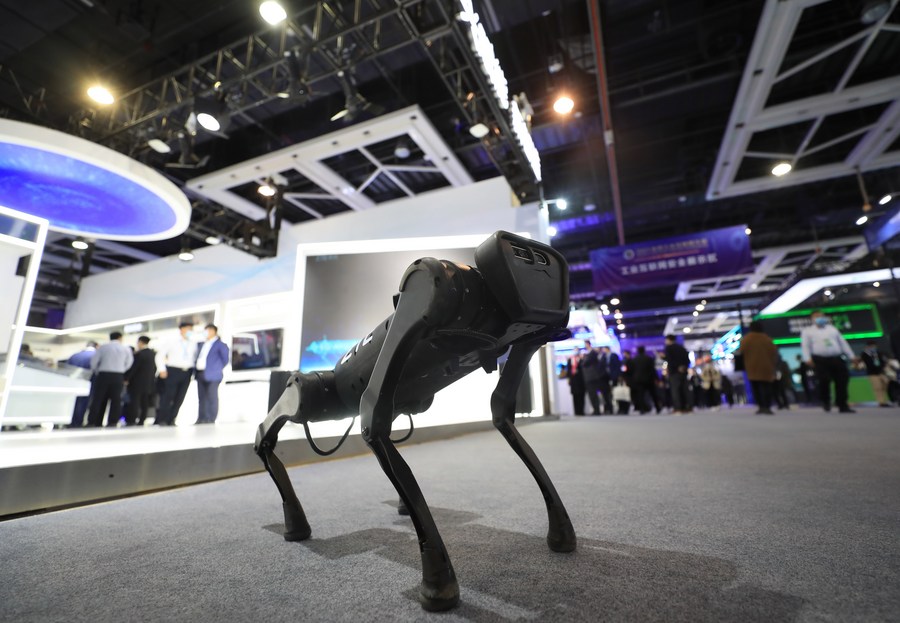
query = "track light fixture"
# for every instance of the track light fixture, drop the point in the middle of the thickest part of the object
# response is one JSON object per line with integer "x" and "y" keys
{"x": 272, "y": 12}
{"x": 80, "y": 243}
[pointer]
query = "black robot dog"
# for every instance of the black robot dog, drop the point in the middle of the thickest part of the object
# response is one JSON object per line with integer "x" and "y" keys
{"x": 449, "y": 320}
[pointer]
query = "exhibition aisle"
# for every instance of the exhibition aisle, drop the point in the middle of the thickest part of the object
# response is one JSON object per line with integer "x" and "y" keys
{"x": 708, "y": 517}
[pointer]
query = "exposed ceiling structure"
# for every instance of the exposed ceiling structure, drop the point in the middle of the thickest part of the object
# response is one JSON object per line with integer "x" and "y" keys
{"x": 702, "y": 95}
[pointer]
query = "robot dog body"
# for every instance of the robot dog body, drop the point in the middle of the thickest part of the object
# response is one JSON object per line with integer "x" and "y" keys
{"x": 449, "y": 320}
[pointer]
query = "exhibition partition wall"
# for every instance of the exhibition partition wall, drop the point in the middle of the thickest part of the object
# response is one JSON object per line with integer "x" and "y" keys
{"x": 262, "y": 303}
{"x": 21, "y": 246}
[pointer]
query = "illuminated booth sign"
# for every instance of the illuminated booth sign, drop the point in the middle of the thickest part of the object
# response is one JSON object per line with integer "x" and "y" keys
{"x": 668, "y": 261}
{"x": 855, "y": 322}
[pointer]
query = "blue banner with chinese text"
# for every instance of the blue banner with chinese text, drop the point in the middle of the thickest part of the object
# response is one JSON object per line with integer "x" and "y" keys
{"x": 668, "y": 261}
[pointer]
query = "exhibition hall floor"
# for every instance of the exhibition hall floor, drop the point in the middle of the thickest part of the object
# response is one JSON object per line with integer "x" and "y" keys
{"x": 721, "y": 516}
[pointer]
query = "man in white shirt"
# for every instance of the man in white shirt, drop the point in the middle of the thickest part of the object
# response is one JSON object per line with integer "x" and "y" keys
{"x": 175, "y": 364}
{"x": 212, "y": 358}
{"x": 108, "y": 366}
{"x": 823, "y": 345}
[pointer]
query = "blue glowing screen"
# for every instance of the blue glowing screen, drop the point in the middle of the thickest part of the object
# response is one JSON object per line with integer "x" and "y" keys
{"x": 78, "y": 196}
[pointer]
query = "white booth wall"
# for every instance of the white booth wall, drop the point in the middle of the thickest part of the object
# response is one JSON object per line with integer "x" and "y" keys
{"x": 11, "y": 286}
{"x": 253, "y": 294}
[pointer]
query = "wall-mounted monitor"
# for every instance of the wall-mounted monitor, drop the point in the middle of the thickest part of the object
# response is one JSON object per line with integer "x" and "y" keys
{"x": 253, "y": 350}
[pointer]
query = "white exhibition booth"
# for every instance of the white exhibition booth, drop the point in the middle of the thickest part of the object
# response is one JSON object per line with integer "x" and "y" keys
{"x": 246, "y": 296}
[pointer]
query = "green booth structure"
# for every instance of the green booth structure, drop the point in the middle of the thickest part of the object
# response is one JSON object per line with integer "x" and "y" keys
{"x": 857, "y": 323}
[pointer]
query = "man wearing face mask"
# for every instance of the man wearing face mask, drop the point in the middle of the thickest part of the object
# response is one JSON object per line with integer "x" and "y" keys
{"x": 822, "y": 346}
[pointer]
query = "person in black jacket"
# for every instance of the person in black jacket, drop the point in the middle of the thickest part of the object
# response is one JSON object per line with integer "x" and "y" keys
{"x": 575, "y": 374}
{"x": 875, "y": 361}
{"x": 140, "y": 381}
{"x": 642, "y": 373}
{"x": 593, "y": 376}
{"x": 677, "y": 364}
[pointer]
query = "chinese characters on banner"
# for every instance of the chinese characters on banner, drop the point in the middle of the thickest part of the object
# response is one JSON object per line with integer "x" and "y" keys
{"x": 703, "y": 255}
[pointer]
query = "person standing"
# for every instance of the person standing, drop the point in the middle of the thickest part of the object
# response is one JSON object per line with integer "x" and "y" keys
{"x": 804, "y": 371}
{"x": 823, "y": 345}
{"x": 875, "y": 361}
{"x": 643, "y": 380}
{"x": 711, "y": 380}
{"x": 783, "y": 383}
{"x": 760, "y": 355}
{"x": 211, "y": 361}
{"x": 82, "y": 359}
{"x": 108, "y": 366}
{"x": 609, "y": 365}
{"x": 175, "y": 363}
{"x": 677, "y": 363}
{"x": 575, "y": 375}
{"x": 592, "y": 376}
{"x": 140, "y": 383}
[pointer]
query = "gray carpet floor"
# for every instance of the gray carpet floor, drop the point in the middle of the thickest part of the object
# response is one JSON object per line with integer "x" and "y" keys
{"x": 706, "y": 517}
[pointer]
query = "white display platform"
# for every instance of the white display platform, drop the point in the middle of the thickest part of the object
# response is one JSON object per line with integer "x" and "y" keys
{"x": 42, "y": 470}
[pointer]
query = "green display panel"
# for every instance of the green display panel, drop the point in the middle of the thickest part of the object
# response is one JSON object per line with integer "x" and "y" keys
{"x": 853, "y": 321}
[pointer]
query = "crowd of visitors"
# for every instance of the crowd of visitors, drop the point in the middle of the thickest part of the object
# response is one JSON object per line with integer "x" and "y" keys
{"x": 668, "y": 380}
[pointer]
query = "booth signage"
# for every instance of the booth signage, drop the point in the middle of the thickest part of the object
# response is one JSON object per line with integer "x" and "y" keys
{"x": 853, "y": 321}
{"x": 483, "y": 48}
{"x": 665, "y": 262}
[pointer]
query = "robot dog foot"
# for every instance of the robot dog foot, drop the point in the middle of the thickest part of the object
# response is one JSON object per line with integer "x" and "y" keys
{"x": 296, "y": 528}
{"x": 439, "y": 589}
{"x": 561, "y": 535}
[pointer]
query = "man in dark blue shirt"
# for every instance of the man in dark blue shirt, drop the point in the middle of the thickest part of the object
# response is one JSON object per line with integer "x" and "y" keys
{"x": 82, "y": 359}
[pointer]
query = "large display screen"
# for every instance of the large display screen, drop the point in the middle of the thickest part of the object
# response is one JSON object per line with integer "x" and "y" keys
{"x": 252, "y": 350}
{"x": 347, "y": 295}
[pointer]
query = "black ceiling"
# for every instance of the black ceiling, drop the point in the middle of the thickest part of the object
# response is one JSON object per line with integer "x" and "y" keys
{"x": 673, "y": 71}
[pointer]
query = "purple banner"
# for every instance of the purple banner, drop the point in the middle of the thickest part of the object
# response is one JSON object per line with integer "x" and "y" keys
{"x": 703, "y": 255}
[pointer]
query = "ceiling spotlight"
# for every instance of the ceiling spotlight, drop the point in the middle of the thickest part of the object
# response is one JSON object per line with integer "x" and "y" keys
{"x": 402, "y": 151}
{"x": 80, "y": 244}
{"x": 159, "y": 146}
{"x": 687, "y": 329}
{"x": 885, "y": 199}
{"x": 695, "y": 313}
{"x": 614, "y": 301}
{"x": 564, "y": 105}
{"x": 876, "y": 284}
{"x": 748, "y": 231}
{"x": 754, "y": 286}
{"x": 272, "y": 12}
{"x": 265, "y": 190}
{"x": 782, "y": 168}
{"x": 703, "y": 302}
{"x": 213, "y": 240}
{"x": 618, "y": 315}
{"x": 185, "y": 255}
{"x": 551, "y": 231}
{"x": 827, "y": 292}
{"x": 562, "y": 204}
{"x": 209, "y": 122}
{"x": 620, "y": 327}
{"x": 862, "y": 220}
{"x": 622, "y": 335}
{"x": 101, "y": 95}
{"x": 700, "y": 307}
{"x": 479, "y": 130}
{"x": 590, "y": 207}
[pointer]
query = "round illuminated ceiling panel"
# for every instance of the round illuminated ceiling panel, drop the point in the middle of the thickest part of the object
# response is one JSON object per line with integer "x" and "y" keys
{"x": 86, "y": 189}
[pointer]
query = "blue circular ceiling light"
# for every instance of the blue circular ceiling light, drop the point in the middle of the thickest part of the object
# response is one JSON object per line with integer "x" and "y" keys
{"x": 86, "y": 189}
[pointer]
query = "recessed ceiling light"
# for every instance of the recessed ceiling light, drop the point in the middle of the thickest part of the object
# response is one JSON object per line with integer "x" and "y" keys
{"x": 885, "y": 199}
{"x": 687, "y": 329}
{"x": 862, "y": 220}
{"x": 562, "y": 204}
{"x": 782, "y": 168}
{"x": 272, "y": 12}
{"x": 700, "y": 307}
{"x": 564, "y": 105}
{"x": 101, "y": 95}
{"x": 551, "y": 231}
{"x": 695, "y": 313}
{"x": 79, "y": 244}
{"x": 876, "y": 284}
{"x": 185, "y": 255}
{"x": 614, "y": 301}
{"x": 213, "y": 240}
{"x": 748, "y": 231}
